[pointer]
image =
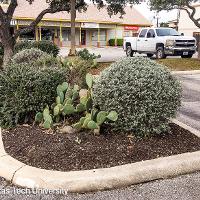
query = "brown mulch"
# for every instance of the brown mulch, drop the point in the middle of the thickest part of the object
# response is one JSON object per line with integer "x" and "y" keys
{"x": 100, "y": 67}
{"x": 33, "y": 146}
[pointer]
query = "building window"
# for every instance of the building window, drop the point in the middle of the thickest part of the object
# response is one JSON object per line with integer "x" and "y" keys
{"x": 66, "y": 35}
{"x": 102, "y": 35}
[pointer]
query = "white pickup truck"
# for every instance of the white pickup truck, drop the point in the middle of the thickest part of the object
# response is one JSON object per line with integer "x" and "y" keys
{"x": 162, "y": 42}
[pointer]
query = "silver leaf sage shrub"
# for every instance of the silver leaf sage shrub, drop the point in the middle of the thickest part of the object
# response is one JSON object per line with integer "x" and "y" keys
{"x": 143, "y": 93}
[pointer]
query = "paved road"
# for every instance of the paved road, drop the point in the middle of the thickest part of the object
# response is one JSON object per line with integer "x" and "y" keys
{"x": 190, "y": 110}
{"x": 181, "y": 188}
{"x": 108, "y": 54}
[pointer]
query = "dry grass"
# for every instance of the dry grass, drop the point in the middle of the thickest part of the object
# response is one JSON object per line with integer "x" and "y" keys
{"x": 178, "y": 64}
{"x": 175, "y": 64}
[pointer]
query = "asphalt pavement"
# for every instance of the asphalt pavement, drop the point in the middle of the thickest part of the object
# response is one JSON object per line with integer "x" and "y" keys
{"x": 185, "y": 187}
{"x": 190, "y": 110}
{"x": 108, "y": 54}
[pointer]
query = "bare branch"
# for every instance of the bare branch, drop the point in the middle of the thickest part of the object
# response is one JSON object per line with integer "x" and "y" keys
{"x": 192, "y": 14}
{"x": 50, "y": 10}
{"x": 192, "y": 8}
{"x": 32, "y": 26}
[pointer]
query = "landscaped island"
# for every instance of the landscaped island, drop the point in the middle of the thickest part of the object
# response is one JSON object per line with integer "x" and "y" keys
{"x": 55, "y": 115}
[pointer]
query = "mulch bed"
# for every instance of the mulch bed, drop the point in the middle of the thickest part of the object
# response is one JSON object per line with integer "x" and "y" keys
{"x": 33, "y": 146}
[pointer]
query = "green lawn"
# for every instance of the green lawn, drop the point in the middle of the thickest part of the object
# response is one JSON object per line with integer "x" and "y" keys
{"x": 178, "y": 64}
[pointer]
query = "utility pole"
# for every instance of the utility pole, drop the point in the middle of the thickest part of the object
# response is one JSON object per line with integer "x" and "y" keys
{"x": 178, "y": 18}
{"x": 73, "y": 28}
{"x": 157, "y": 17}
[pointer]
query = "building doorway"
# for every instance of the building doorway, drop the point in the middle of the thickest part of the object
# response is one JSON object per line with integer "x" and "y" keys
{"x": 83, "y": 37}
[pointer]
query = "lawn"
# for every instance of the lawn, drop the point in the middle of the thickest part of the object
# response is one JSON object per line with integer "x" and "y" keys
{"x": 177, "y": 64}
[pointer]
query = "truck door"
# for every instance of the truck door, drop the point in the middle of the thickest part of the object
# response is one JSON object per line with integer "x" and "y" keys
{"x": 150, "y": 41}
{"x": 141, "y": 40}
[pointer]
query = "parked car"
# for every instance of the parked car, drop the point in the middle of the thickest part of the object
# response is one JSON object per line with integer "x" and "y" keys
{"x": 162, "y": 42}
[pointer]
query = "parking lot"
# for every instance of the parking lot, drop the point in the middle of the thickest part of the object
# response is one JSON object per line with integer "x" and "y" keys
{"x": 108, "y": 54}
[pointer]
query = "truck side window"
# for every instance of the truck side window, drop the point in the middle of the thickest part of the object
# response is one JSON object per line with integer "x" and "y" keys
{"x": 143, "y": 33}
{"x": 151, "y": 34}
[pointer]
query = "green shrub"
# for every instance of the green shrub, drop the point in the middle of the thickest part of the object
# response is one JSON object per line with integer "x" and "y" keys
{"x": 25, "y": 90}
{"x": 45, "y": 46}
{"x": 35, "y": 57}
{"x": 29, "y": 56}
{"x": 1, "y": 61}
{"x": 26, "y": 44}
{"x": 86, "y": 55}
{"x": 119, "y": 42}
{"x": 1, "y": 50}
{"x": 48, "y": 47}
{"x": 142, "y": 92}
{"x": 78, "y": 70}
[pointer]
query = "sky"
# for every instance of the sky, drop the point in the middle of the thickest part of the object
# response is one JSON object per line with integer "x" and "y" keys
{"x": 164, "y": 16}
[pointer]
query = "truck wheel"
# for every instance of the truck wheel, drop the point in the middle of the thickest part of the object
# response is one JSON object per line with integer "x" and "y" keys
{"x": 160, "y": 54}
{"x": 149, "y": 55}
{"x": 187, "y": 56}
{"x": 129, "y": 51}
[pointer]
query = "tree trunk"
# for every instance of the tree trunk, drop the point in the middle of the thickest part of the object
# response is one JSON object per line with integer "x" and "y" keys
{"x": 8, "y": 52}
{"x": 73, "y": 30}
{"x": 8, "y": 42}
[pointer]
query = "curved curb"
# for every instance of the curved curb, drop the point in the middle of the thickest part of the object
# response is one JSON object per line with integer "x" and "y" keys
{"x": 186, "y": 127}
{"x": 97, "y": 179}
{"x": 189, "y": 72}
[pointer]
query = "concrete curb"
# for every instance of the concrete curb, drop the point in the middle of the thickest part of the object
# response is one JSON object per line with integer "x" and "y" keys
{"x": 97, "y": 179}
{"x": 191, "y": 72}
{"x": 186, "y": 127}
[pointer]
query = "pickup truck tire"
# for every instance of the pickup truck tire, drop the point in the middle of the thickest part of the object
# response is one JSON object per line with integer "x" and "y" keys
{"x": 149, "y": 55}
{"x": 160, "y": 54}
{"x": 129, "y": 51}
{"x": 187, "y": 56}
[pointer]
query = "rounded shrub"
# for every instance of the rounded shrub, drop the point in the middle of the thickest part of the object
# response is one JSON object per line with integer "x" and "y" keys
{"x": 25, "y": 90}
{"x": 35, "y": 57}
{"x": 142, "y": 92}
{"x": 29, "y": 56}
{"x": 25, "y": 44}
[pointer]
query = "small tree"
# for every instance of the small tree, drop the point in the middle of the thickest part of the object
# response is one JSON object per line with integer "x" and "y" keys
{"x": 187, "y": 5}
{"x": 8, "y": 39}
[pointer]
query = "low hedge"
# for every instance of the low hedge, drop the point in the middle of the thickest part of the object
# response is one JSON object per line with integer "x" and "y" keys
{"x": 119, "y": 42}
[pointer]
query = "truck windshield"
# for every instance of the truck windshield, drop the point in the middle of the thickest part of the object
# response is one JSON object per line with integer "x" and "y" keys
{"x": 167, "y": 32}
